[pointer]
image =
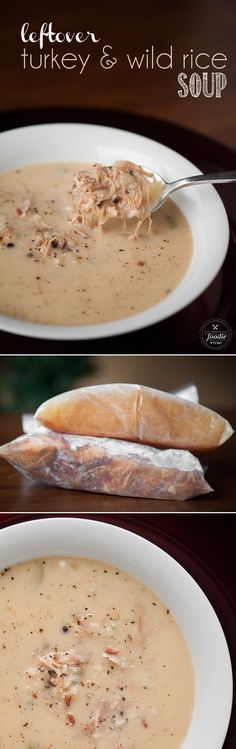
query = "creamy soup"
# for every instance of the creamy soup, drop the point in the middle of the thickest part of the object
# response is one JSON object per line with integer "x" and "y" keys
{"x": 51, "y": 273}
{"x": 90, "y": 658}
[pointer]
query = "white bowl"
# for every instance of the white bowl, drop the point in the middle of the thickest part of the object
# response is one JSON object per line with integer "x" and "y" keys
{"x": 202, "y": 207}
{"x": 175, "y": 587}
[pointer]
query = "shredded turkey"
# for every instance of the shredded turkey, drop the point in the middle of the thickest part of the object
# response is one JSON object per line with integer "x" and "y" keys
{"x": 24, "y": 207}
{"x": 61, "y": 670}
{"x": 113, "y": 656}
{"x": 6, "y": 232}
{"x": 107, "y": 711}
{"x": 49, "y": 242}
{"x": 104, "y": 192}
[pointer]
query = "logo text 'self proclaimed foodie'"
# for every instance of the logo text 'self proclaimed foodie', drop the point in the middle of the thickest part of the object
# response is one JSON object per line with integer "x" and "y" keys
{"x": 216, "y": 334}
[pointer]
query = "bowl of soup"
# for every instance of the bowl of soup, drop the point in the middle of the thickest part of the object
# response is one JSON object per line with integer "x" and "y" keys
{"x": 105, "y": 637}
{"x": 60, "y": 282}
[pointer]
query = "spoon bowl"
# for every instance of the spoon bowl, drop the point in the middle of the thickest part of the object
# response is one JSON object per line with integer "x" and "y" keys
{"x": 163, "y": 189}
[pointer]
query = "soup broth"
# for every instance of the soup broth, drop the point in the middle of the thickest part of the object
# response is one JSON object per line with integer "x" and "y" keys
{"x": 51, "y": 274}
{"x": 90, "y": 658}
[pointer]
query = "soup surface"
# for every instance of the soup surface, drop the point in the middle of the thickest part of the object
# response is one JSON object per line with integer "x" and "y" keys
{"x": 90, "y": 658}
{"x": 51, "y": 274}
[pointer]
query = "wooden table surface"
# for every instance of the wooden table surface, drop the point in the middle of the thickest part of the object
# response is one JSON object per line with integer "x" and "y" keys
{"x": 205, "y": 26}
{"x": 18, "y": 494}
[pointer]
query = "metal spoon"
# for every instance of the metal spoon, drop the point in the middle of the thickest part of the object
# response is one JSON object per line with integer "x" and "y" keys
{"x": 198, "y": 179}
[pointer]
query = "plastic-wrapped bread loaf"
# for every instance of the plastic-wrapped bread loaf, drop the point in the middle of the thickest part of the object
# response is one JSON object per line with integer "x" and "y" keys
{"x": 106, "y": 465}
{"x": 136, "y": 413}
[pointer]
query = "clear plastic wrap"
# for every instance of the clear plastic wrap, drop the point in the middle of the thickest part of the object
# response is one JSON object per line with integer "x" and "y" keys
{"x": 136, "y": 413}
{"x": 106, "y": 465}
{"x": 188, "y": 392}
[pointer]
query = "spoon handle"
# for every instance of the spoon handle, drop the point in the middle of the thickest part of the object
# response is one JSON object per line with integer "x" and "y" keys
{"x": 204, "y": 178}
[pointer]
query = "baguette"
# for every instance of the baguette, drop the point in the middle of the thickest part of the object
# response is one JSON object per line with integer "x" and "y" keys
{"x": 135, "y": 413}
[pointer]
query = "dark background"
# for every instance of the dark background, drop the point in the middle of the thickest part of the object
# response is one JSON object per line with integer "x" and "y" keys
{"x": 27, "y": 381}
{"x": 205, "y": 25}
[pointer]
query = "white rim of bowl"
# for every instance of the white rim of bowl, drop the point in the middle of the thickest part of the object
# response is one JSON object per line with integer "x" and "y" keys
{"x": 153, "y": 315}
{"x": 74, "y": 528}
